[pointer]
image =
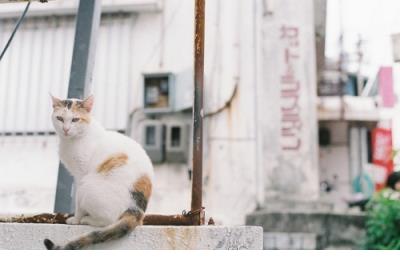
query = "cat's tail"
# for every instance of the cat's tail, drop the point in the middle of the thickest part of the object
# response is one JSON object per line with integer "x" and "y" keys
{"x": 128, "y": 221}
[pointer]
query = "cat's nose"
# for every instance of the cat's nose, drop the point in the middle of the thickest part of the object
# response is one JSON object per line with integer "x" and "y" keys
{"x": 66, "y": 130}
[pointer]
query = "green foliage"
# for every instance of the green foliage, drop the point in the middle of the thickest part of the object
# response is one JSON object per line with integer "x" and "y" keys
{"x": 383, "y": 221}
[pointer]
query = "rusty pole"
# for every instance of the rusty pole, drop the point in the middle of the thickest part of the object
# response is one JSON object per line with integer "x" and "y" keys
{"x": 196, "y": 207}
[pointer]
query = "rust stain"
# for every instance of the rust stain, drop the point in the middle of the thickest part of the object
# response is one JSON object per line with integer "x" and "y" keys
{"x": 171, "y": 237}
{"x": 186, "y": 238}
{"x": 190, "y": 236}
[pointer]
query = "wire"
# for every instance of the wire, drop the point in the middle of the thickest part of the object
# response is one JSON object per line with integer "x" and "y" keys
{"x": 226, "y": 105}
{"x": 15, "y": 30}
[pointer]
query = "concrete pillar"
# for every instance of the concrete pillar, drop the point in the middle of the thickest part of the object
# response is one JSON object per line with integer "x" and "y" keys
{"x": 288, "y": 127}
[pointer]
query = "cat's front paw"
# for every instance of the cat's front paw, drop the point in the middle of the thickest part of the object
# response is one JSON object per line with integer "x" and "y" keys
{"x": 73, "y": 221}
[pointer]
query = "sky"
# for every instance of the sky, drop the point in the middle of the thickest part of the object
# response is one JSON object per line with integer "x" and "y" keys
{"x": 373, "y": 20}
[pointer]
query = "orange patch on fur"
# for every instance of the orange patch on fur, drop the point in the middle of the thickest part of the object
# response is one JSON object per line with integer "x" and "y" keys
{"x": 85, "y": 118}
{"x": 83, "y": 114}
{"x": 144, "y": 186}
{"x": 58, "y": 105}
{"x": 112, "y": 162}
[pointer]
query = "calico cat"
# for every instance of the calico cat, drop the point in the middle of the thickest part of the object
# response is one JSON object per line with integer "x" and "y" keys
{"x": 113, "y": 174}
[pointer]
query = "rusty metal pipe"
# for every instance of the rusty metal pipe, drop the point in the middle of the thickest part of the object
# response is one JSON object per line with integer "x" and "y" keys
{"x": 167, "y": 220}
{"x": 196, "y": 205}
{"x": 61, "y": 218}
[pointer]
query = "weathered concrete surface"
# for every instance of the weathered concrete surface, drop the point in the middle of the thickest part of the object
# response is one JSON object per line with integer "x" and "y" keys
{"x": 293, "y": 240}
{"x": 333, "y": 229}
{"x": 30, "y": 236}
{"x": 288, "y": 127}
{"x": 298, "y": 206}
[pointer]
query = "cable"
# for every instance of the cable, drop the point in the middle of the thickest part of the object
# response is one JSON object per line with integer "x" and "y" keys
{"x": 15, "y": 30}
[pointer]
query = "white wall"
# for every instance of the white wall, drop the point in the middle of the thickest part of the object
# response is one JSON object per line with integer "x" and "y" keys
{"x": 28, "y": 173}
{"x": 154, "y": 42}
{"x": 240, "y": 148}
{"x": 230, "y": 151}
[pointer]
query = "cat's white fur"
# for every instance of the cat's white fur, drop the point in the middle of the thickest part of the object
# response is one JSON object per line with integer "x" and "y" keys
{"x": 100, "y": 199}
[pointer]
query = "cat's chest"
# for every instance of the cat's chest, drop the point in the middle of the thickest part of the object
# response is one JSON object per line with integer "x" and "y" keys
{"x": 76, "y": 158}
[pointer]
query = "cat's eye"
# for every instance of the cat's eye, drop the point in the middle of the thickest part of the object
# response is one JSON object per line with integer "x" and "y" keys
{"x": 75, "y": 120}
{"x": 59, "y": 118}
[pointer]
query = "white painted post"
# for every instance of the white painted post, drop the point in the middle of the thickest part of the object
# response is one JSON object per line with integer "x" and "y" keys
{"x": 289, "y": 127}
{"x": 87, "y": 26}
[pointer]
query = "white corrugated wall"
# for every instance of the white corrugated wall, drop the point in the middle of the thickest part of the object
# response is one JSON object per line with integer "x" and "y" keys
{"x": 38, "y": 63}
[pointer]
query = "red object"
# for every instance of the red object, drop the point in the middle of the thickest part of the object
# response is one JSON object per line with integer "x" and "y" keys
{"x": 382, "y": 149}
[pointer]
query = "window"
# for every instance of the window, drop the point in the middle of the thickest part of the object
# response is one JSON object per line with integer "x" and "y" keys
{"x": 150, "y": 135}
{"x": 175, "y": 136}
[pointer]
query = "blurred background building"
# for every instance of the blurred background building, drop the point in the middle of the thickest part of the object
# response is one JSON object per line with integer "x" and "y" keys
{"x": 299, "y": 113}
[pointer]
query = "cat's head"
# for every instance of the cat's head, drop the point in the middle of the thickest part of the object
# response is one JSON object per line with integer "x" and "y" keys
{"x": 71, "y": 117}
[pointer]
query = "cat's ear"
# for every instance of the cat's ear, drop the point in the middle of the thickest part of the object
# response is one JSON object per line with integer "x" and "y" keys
{"x": 88, "y": 103}
{"x": 56, "y": 101}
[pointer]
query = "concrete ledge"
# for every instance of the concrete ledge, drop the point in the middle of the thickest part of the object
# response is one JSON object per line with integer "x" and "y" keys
{"x": 30, "y": 236}
{"x": 333, "y": 229}
{"x": 287, "y": 240}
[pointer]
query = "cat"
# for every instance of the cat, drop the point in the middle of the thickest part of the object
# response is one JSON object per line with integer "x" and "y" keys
{"x": 113, "y": 174}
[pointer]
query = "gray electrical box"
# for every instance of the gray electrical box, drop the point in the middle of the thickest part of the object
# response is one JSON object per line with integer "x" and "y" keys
{"x": 158, "y": 92}
{"x": 152, "y": 140}
{"x": 177, "y": 142}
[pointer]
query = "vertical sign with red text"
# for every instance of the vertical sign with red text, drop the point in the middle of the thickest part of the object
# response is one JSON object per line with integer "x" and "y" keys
{"x": 290, "y": 91}
{"x": 382, "y": 149}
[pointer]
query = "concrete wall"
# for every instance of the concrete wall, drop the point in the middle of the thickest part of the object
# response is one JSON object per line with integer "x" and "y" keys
{"x": 311, "y": 229}
{"x": 334, "y": 161}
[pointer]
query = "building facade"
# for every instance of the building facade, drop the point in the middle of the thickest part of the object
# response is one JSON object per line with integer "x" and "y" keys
{"x": 260, "y": 94}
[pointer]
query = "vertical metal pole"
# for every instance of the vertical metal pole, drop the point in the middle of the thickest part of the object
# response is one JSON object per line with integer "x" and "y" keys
{"x": 86, "y": 32}
{"x": 198, "y": 218}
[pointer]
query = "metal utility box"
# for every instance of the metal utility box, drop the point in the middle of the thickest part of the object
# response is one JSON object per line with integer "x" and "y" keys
{"x": 152, "y": 140}
{"x": 177, "y": 142}
{"x": 158, "y": 92}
